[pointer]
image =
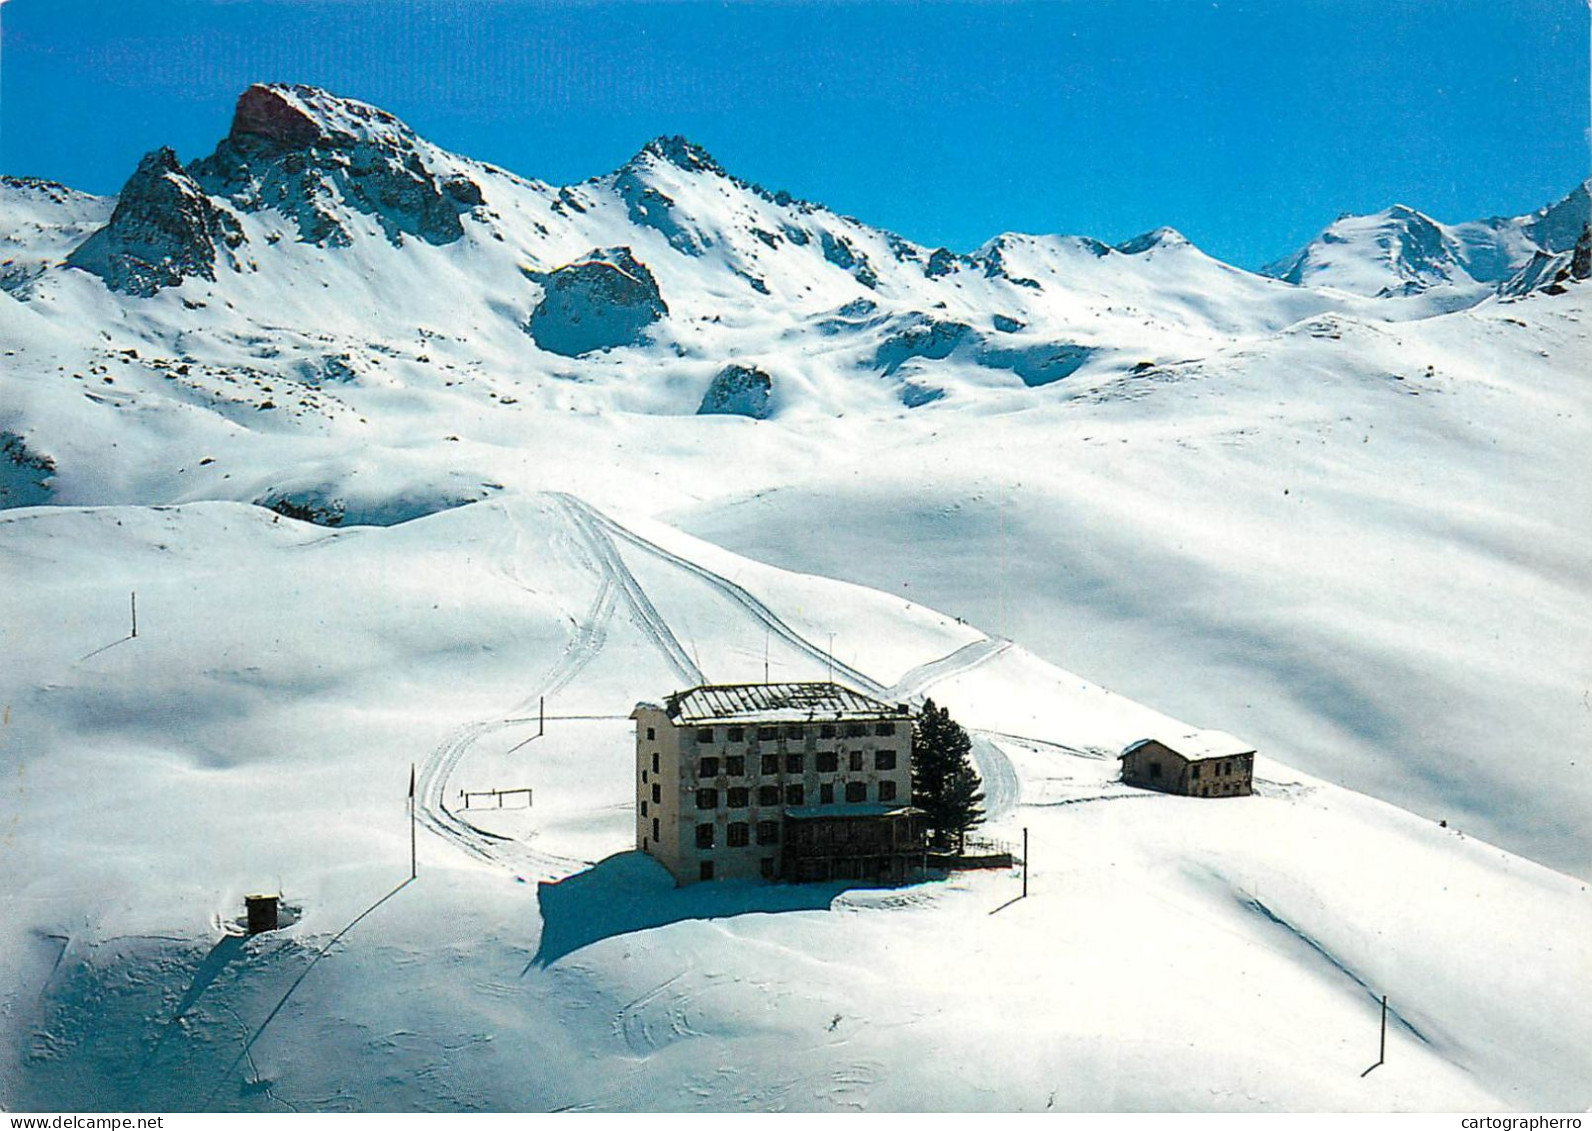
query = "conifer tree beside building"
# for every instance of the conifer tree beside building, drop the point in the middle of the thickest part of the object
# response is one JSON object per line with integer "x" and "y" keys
{"x": 944, "y": 783}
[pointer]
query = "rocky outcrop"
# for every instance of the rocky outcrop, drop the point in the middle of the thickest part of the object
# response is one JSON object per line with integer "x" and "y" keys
{"x": 839, "y": 251}
{"x": 1152, "y": 241}
{"x": 314, "y": 157}
{"x": 942, "y": 262}
{"x": 1038, "y": 364}
{"x": 604, "y": 300}
{"x": 682, "y": 154}
{"x": 1549, "y": 273}
{"x": 25, "y": 475}
{"x": 993, "y": 258}
{"x": 920, "y": 336}
{"x": 739, "y": 390}
{"x": 163, "y": 230}
{"x": 651, "y": 207}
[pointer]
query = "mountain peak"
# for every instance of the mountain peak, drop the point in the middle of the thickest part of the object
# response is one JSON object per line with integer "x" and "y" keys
{"x": 293, "y": 116}
{"x": 1160, "y": 237}
{"x": 682, "y": 154}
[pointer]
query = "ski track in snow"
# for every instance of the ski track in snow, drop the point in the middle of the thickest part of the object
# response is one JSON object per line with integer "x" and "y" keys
{"x": 595, "y": 547}
{"x": 1002, "y": 788}
{"x": 592, "y": 527}
{"x": 431, "y": 791}
{"x": 735, "y": 593}
{"x": 919, "y": 679}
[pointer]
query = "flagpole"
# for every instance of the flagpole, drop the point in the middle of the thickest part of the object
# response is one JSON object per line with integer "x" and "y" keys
{"x": 413, "y": 868}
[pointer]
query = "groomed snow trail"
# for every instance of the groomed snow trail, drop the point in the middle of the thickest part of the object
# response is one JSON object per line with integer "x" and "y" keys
{"x": 734, "y": 592}
{"x": 919, "y": 679}
{"x": 592, "y": 527}
{"x": 594, "y": 546}
{"x": 1002, "y": 787}
{"x": 432, "y": 785}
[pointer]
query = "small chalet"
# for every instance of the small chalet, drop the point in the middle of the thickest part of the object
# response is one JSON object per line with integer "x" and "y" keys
{"x": 793, "y": 781}
{"x": 1203, "y": 763}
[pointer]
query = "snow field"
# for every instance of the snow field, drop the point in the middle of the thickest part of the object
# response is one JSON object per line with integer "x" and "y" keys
{"x": 257, "y": 733}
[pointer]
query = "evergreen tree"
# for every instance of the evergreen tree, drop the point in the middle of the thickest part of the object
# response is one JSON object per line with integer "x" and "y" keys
{"x": 944, "y": 783}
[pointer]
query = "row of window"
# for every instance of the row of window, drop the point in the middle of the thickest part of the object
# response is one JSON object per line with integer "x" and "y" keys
{"x": 793, "y": 730}
{"x": 739, "y": 797}
{"x": 738, "y": 834}
{"x": 1223, "y": 769}
{"x": 827, "y": 762}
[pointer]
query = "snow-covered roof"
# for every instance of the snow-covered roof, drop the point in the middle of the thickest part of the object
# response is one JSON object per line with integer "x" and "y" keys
{"x": 1197, "y": 745}
{"x": 775, "y": 702}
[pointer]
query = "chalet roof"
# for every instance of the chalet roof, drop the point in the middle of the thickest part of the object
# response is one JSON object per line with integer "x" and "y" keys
{"x": 1197, "y": 745}
{"x": 775, "y": 702}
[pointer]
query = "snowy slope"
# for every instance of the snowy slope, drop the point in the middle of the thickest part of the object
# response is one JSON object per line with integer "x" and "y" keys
{"x": 1349, "y": 528}
{"x": 257, "y": 733}
{"x": 1361, "y": 546}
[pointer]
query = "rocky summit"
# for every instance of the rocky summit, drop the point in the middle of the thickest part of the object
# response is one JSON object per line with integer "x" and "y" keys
{"x": 302, "y": 152}
{"x": 164, "y": 230}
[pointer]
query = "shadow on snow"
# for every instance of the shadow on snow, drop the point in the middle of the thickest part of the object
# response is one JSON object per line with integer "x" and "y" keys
{"x": 630, "y": 891}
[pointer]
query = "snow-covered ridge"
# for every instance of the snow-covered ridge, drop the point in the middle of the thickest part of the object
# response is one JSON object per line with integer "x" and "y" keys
{"x": 1401, "y": 251}
{"x": 397, "y": 449}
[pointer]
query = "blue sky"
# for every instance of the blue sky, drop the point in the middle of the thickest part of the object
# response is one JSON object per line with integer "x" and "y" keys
{"x": 1247, "y": 125}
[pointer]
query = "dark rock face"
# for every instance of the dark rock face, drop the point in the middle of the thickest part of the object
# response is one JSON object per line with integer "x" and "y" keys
{"x": 1040, "y": 364}
{"x": 922, "y": 337}
{"x": 24, "y": 474}
{"x": 604, "y": 300}
{"x": 682, "y": 153}
{"x": 1581, "y": 258}
{"x": 994, "y": 261}
{"x": 942, "y": 262}
{"x": 650, "y": 207}
{"x": 1546, "y": 273}
{"x": 739, "y": 390}
{"x": 310, "y": 155}
{"x": 263, "y": 113}
{"x": 838, "y": 251}
{"x": 915, "y": 395}
{"x": 164, "y": 230}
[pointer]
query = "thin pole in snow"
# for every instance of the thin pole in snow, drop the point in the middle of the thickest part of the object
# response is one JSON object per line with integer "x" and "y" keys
{"x": 414, "y": 869}
{"x": 541, "y": 715}
{"x": 1025, "y": 861}
{"x": 135, "y": 613}
{"x": 1381, "y": 1053}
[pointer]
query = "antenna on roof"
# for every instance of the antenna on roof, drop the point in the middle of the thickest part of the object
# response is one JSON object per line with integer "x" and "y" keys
{"x": 767, "y": 631}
